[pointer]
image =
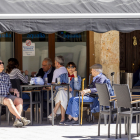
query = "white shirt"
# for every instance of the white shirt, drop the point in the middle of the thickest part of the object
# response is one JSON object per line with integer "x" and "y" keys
{"x": 58, "y": 72}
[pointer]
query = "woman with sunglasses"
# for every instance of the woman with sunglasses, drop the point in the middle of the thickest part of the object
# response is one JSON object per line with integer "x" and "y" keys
{"x": 61, "y": 99}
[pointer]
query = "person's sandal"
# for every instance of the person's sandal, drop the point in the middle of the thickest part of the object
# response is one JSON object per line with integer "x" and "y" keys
{"x": 50, "y": 116}
{"x": 25, "y": 121}
{"x": 62, "y": 122}
{"x": 17, "y": 123}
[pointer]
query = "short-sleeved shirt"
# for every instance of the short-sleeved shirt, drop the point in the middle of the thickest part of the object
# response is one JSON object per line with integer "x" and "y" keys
{"x": 5, "y": 84}
{"x": 58, "y": 72}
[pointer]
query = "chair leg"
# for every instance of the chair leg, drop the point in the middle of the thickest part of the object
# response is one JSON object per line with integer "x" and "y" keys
{"x": 0, "y": 113}
{"x": 120, "y": 126}
{"x": 130, "y": 121}
{"x": 109, "y": 125}
{"x": 31, "y": 110}
{"x": 99, "y": 122}
{"x": 125, "y": 125}
{"x": 7, "y": 116}
{"x": 79, "y": 109}
{"x": 41, "y": 106}
{"x": 137, "y": 125}
{"x": 117, "y": 125}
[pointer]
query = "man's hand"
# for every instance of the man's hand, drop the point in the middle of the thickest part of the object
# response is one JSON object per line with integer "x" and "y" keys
{"x": 16, "y": 92}
{"x": 83, "y": 92}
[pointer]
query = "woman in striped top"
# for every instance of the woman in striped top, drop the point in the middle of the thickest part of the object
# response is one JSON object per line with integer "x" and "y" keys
{"x": 13, "y": 71}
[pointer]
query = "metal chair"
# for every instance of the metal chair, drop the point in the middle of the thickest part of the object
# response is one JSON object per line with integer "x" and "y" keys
{"x": 105, "y": 100}
{"x": 124, "y": 100}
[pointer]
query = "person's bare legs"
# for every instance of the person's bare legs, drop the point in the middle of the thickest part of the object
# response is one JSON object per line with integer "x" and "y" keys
{"x": 18, "y": 102}
{"x": 62, "y": 114}
{"x": 56, "y": 108}
{"x": 9, "y": 103}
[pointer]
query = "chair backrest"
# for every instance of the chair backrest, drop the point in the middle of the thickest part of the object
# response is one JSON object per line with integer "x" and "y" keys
{"x": 15, "y": 83}
{"x": 103, "y": 94}
{"x": 123, "y": 95}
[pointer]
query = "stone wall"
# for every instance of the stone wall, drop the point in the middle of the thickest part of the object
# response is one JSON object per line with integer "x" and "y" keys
{"x": 107, "y": 53}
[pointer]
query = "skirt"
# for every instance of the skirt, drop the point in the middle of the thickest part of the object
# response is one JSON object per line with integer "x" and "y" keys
{"x": 62, "y": 96}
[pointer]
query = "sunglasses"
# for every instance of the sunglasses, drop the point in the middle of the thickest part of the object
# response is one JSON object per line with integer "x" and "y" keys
{"x": 1, "y": 63}
{"x": 70, "y": 67}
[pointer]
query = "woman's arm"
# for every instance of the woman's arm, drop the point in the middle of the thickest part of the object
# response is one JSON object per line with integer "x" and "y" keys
{"x": 24, "y": 79}
{"x": 77, "y": 83}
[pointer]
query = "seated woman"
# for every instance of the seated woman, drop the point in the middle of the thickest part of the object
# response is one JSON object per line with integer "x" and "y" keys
{"x": 73, "y": 105}
{"x": 14, "y": 73}
{"x": 61, "y": 99}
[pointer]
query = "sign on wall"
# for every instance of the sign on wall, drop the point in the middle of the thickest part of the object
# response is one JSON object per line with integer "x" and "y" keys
{"x": 28, "y": 48}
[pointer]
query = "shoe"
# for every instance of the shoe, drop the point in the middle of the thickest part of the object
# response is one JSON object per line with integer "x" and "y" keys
{"x": 50, "y": 117}
{"x": 17, "y": 123}
{"x": 62, "y": 123}
{"x": 72, "y": 122}
{"x": 25, "y": 121}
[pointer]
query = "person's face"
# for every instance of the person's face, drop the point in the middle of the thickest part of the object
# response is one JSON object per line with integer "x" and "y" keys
{"x": 56, "y": 64}
{"x": 94, "y": 72}
{"x": 1, "y": 66}
{"x": 45, "y": 66}
{"x": 71, "y": 69}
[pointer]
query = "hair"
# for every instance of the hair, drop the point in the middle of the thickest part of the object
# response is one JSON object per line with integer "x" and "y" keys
{"x": 60, "y": 60}
{"x": 12, "y": 63}
{"x": 49, "y": 61}
{"x": 99, "y": 70}
{"x": 71, "y": 63}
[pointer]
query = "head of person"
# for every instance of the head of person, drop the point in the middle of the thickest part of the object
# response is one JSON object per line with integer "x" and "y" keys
{"x": 12, "y": 63}
{"x": 96, "y": 69}
{"x": 59, "y": 61}
{"x": 1, "y": 66}
{"x": 46, "y": 64}
{"x": 71, "y": 68}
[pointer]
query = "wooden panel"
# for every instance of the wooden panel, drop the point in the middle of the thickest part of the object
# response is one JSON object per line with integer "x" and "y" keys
{"x": 90, "y": 52}
{"x": 51, "y": 47}
{"x": 18, "y": 48}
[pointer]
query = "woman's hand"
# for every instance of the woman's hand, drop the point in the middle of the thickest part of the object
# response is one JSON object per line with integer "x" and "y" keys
{"x": 16, "y": 92}
{"x": 26, "y": 72}
{"x": 70, "y": 89}
{"x": 75, "y": 73}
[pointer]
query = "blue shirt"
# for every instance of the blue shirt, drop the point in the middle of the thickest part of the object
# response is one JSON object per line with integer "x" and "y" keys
{"x": 46, "y": 73}
{"x": 5, "y": 84}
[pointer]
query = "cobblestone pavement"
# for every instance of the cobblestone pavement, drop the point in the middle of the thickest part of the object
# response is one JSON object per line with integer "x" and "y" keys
{"x": 47, "y": 132}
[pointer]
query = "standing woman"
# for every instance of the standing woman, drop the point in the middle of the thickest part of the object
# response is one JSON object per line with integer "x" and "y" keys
{"x": 14, "y": 73}
{"x": 61, "y": 99}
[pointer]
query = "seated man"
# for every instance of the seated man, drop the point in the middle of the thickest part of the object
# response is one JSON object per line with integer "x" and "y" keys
{"x": 14, "y": 104}
{"x": 46, "y": 71}
{"x": 73, "y": 105}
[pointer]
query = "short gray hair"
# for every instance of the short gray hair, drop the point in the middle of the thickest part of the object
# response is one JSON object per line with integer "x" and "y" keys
{"x": 60, "y": 60}
{"x": 49, "y": 61}
{"x": 99, "y": 70}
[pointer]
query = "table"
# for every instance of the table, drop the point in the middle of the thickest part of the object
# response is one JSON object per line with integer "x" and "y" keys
{"x": 41, "y": 86}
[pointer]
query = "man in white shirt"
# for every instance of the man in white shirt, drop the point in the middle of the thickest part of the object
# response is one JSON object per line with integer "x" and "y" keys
{"x": 60, "y": 69}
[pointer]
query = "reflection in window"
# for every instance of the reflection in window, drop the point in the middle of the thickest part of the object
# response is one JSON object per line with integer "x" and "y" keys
{"x": 73, "y": 48}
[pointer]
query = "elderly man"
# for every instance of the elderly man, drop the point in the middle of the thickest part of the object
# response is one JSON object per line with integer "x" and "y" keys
{"x": 14, "y": 103}
{"x": 73, "y": 105}
{"x": 46, "y": 71}
{"x": 60, "y": 69}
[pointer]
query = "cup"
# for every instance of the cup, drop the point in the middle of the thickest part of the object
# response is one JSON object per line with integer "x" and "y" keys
{"x": 46, "y": 81}
{"x": 58, "y": 80}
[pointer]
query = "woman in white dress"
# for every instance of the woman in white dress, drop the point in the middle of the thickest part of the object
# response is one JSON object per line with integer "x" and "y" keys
{"x": 61, "y": 99}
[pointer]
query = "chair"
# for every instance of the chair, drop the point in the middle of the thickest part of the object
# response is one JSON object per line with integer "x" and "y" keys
{"x": 124, "y": 99}
{"x": 105, "y": 100}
